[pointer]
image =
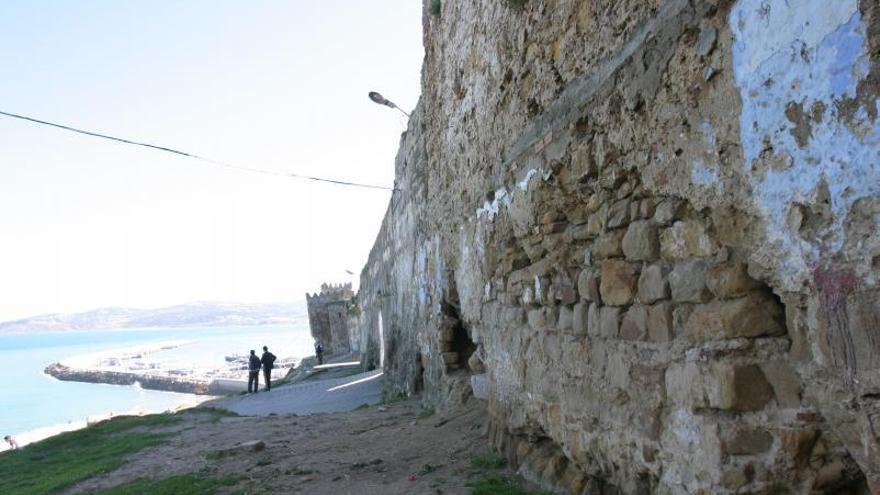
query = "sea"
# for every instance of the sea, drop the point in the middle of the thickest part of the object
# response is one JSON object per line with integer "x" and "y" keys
{"x": 34, "y": 405}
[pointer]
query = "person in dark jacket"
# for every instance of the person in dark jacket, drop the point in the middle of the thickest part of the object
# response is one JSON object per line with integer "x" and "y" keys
{"x": 319, "y": 352}
{"x": 253, "y": 373}
{"x": 268, "y": 361}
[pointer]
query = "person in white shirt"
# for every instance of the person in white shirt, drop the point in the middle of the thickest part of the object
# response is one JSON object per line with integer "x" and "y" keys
{"x": 11, "y": 441}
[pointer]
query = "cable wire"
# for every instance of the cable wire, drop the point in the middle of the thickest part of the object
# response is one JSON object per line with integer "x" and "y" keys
{"x": 194, "y": 156}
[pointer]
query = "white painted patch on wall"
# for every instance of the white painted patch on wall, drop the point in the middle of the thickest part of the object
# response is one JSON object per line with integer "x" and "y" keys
{"x": 809, "y": 54}
{"x": 503, "y": 198}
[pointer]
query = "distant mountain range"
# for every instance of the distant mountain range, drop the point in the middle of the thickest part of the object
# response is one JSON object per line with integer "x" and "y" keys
{"x": 183, "y": 315}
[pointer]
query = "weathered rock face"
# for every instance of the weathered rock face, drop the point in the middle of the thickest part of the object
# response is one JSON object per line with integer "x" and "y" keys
{"x": 654, "y": 223}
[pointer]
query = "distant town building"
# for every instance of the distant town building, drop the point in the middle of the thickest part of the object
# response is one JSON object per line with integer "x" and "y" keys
{"x": 332, "y": 317}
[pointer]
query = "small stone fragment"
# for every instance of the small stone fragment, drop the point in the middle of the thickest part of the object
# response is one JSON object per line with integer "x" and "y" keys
{"x": 618, "y": 214}
{"x": 668, "y": 211}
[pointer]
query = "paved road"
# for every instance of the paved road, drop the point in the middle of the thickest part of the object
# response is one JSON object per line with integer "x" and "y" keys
{"x": 334, "y": 395}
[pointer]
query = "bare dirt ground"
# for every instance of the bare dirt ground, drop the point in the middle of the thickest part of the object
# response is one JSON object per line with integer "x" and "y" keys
{"x": 388, "y": 449}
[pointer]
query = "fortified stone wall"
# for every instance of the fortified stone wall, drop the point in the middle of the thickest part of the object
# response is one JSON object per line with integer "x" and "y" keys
{"x": 329, "y": 317}
{"x": 650, "y": 227}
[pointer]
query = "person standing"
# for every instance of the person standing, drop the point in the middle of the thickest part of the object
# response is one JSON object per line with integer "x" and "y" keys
{"x": 319, "y": 352}
{"x": 13, "y": 445}
{"x": 268, "y": 361}
{"x": 253, "y": 372}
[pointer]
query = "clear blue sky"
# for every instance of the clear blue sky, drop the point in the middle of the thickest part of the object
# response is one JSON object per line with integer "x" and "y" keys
{"x": 280, "y": 85}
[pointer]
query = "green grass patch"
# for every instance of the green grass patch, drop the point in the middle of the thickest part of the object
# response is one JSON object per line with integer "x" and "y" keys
{"x": 184, "y": 484}
{"x": 435, "y": 7}
{"x": 497, "y": 484}
{"x": 65, "y": 459}
{"x": 426, "y": 412}
{"x": 516, "y": 4}
{"x": 215, "y": 413}
{"x": 489, "y": 460}
{"x": 393, "y": 398}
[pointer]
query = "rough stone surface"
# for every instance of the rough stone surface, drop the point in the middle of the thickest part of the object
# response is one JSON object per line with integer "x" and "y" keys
{"x": 687, "y": 282}
{"x": 546, "y": 137}
{"x": 729, "y": 280}
{"x": 659, "y": 322}
{"x": 686, "y": 239}
{"x": 635, "y": 323}
{"x": 653, "y": 284}
{"x": 741, "y": 388}
{"x": 640, "y": 243}
{"x": 619, "y": 282}
{"x": 754, "y": 315}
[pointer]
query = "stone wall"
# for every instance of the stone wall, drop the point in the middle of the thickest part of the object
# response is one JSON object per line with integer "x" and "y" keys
{"x": 650, "y": 229}
{"x": 330, "y": 316}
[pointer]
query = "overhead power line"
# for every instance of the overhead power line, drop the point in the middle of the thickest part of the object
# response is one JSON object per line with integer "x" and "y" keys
{"x": 194, "y": 156}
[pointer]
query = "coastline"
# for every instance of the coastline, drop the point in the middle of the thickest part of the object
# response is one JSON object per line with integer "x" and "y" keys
{"x": 42, "y": 433}
{"x": 182, "y": 385}
{"x": 139, "y": 365}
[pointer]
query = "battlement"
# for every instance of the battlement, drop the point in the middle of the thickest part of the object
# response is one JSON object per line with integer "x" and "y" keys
{"x": 332, "y": 292}
{"x": 329, "y": 316}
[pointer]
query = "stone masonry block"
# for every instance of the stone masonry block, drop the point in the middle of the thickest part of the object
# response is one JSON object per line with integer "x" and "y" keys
{"x": 609, "y": 245}
{"x": 609, "y": 322}
{"x": 747, "y": 441}
{"x": 588, "y": 285}
{"x": 686, "y": 385}
{"x": 740, "y": 388}
{"x": 687, "y": 282}
{"x": 594, "y": 226}
{"x": 619, "y": 282}
{"x": 564, "y": 323}
{"x": 593, "y": 320}
{"x": 686, "y": 239}
{"x": 653, "y": 284}
{"x": 659, "y": 322}
{"x": 450, "y": 358}
{"x": 579, "y": 318}
{"x": 730, "y": 280}
{"x": 755, "y": 315}
{"x": 618, "y": 214}
{"x": 542, "y": 319}
{"x": 635, "y": 323}
{"x": 787, "y": 385}
{"x": 668, "y": 211}
{"x": 641, "y": 243}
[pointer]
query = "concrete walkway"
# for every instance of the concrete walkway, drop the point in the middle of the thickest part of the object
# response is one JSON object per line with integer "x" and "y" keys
{"x": 321, "y": 396}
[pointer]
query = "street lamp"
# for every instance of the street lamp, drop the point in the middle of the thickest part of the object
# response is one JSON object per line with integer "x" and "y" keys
{"x": 379, "y": 99}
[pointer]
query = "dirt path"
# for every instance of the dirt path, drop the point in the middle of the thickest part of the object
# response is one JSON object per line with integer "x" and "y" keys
{"x": 370, "y": 451}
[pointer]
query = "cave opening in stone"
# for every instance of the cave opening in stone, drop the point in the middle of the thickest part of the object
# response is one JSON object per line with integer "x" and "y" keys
{"x": 456, "y": 340}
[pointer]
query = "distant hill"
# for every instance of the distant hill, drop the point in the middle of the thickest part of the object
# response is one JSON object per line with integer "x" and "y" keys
{"x": 183, "y": 315}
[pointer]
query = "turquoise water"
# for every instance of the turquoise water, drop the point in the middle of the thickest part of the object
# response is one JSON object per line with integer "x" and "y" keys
{"x": 29, "y": 399}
